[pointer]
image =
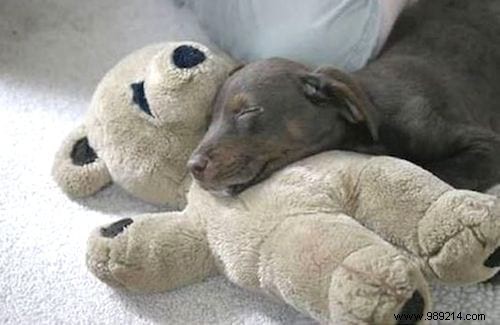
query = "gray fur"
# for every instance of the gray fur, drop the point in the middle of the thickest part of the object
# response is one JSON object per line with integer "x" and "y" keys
{"x": 436, "y": 88}
{"x": 431, "y": 97}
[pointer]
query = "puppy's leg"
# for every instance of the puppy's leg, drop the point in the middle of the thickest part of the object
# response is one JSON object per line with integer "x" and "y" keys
{"x": 151, "y": 253}
{"x": 476, "y": 163}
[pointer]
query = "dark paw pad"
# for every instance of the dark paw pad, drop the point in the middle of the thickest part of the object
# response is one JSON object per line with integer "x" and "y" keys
{"x": 494, "y": 259}
{"x": 495, "y": 280}
{"x": 414, "y": 306}
{"x": 116, "y": 228}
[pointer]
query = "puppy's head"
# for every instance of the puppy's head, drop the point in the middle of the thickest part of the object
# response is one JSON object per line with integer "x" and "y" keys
{"x": 271, "y": 113}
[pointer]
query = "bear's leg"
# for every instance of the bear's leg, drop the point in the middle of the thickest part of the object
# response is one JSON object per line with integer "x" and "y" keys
{"x": 151, "y": 253}
{"x": 337, "y": 271}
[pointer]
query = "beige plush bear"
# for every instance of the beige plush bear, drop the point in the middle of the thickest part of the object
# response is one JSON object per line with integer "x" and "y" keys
{"x": 146, "y": 116}
{"x": 343, "y": 237}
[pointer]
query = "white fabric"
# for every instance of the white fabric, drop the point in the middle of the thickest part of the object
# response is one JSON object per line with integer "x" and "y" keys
{"x": 52, "y": 53}
{"x": 344, "y": 33}
{"x": 389, "y": 13}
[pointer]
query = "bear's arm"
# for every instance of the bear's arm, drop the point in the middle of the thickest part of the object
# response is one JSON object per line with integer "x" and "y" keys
{"x": 155, "y": 252}
{"x": 414, "y": 210}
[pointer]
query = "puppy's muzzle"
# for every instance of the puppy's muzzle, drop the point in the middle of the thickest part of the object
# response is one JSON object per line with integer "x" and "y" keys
{"x": 198, "y": 165}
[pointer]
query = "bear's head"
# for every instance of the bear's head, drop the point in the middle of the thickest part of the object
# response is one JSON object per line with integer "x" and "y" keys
{"x": 146, "y": 116}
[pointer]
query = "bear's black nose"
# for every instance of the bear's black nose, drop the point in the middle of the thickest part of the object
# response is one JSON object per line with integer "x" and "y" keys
{"x": 186, "y": 56}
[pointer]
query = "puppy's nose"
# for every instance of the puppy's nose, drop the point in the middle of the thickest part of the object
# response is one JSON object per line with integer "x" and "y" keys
{"x": 197, "y": 165}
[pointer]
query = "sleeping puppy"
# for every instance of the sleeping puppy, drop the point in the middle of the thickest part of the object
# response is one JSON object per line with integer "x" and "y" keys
{"x": 432, "y": 97}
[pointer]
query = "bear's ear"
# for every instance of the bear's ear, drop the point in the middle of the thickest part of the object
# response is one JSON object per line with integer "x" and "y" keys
{"x": 77, "y": 168}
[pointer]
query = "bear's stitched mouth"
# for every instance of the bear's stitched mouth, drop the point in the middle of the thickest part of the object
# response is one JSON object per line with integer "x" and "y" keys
{"x": 139, "y": 97}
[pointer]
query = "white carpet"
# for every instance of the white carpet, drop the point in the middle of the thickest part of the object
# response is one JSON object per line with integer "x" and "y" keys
{"x": 52, "y": 53}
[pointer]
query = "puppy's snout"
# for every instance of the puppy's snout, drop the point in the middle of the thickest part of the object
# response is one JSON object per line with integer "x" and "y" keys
{"x": 197, "y": 165}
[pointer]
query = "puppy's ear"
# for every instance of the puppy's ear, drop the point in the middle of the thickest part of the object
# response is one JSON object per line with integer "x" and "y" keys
{"x": 335, "y": 88}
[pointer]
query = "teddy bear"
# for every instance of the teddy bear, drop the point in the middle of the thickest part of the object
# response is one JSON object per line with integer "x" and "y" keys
{"x": 145, "y": 117}
{"x": 345, "y": 238}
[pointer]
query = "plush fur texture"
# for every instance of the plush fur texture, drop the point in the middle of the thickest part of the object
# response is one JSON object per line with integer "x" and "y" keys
{"x": 343, "y": 237}
{"x": 145, "y": 118}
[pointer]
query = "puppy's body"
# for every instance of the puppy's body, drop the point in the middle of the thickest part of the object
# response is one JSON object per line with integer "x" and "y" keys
{"x": 431, "y": 97}
{"x": 436, "y": 88}
{"x": 441, "y": 62}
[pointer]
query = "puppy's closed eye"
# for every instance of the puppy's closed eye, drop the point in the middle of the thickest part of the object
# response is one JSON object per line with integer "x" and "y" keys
{"x": 250, "y": 111}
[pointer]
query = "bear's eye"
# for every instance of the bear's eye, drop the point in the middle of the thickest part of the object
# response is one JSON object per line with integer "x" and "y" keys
{"x": 139, "y": 97}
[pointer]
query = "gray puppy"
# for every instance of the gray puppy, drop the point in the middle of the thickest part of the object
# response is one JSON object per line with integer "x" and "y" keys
{"x": 432, "y": 97}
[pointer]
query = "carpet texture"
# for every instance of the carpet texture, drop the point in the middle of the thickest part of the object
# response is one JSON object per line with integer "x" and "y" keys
{"x": 52, "y": 54}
